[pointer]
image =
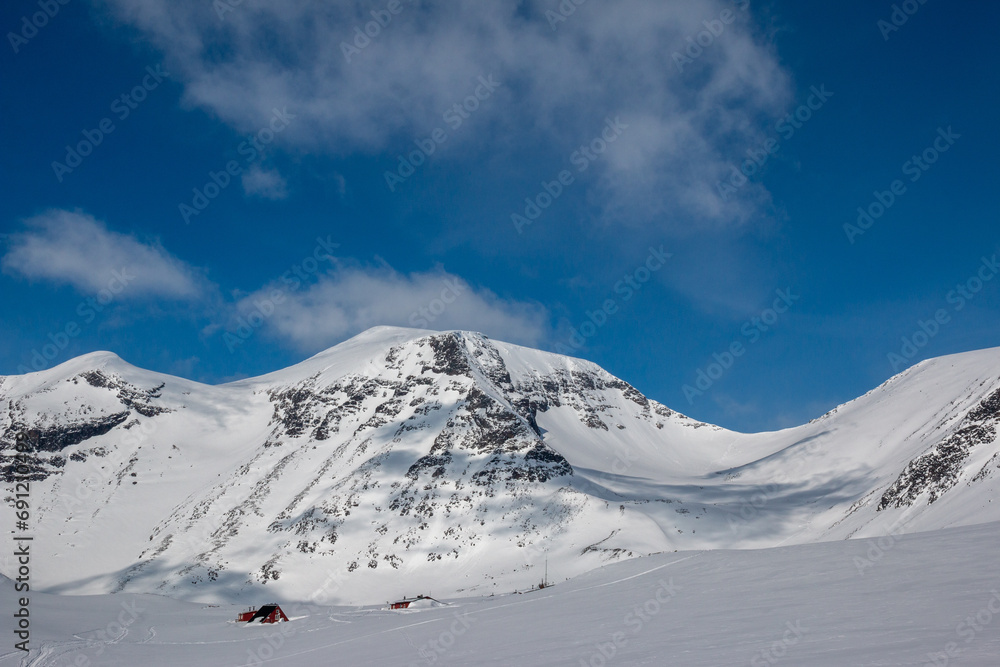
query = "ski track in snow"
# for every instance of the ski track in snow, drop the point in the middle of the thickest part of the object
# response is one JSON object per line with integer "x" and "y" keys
{"x": 534, "y": 599}
{"x": 728, "y": 608}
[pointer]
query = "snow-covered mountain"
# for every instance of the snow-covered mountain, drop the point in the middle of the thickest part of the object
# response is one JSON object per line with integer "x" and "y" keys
{"x": 406, "y": 461}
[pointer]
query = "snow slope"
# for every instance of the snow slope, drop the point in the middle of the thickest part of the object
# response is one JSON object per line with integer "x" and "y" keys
{"x": 450, "y": 463}
{"x": 923, "y": 599}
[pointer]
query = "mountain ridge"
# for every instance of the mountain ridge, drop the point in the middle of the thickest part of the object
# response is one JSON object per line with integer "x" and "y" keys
{"x": 448, "y": 460}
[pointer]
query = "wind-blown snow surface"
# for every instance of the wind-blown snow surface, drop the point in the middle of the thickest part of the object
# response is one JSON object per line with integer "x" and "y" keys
{"x": 450, "y": 463}
{"x": 923, "y": 599}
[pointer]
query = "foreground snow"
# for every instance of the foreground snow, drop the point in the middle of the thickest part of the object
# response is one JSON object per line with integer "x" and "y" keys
{"x": 901, "y": 600}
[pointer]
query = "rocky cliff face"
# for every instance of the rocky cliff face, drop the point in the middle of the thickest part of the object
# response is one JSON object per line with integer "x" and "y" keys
{"x": 938, "y": 471}
{"x": 430, "y": 453}
{"x": 51, "y": 433}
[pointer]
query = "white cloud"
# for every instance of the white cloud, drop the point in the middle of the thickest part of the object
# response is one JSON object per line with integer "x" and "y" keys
{"x": 266, "y": 183}
{"x": 558, "y": 85}
{"x": 71, "y": 247}
{"x": 351, "y": 299}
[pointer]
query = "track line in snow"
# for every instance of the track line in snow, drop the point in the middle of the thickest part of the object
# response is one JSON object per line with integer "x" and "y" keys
{"x": 480, "y": 611}
{"x": 588, "y": 588}
{"x": 658, "y": 567}
{"x": 47, "y": 651}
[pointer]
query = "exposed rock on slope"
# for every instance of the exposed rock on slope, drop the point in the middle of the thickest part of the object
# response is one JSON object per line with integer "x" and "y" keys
{"x": 937, "y": 471}
{"x": 453, "y": 463}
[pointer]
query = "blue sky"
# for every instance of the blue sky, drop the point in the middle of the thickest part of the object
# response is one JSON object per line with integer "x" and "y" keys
{"x": 262, "y": 181}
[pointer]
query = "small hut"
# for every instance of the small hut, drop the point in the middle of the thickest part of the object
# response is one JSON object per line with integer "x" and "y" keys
{"x": 269, "y": 613}
{"x": 406, "y": 602}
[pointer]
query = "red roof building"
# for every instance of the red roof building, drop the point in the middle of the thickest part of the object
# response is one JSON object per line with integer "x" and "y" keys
{"x": 405, "y": 602}
{"x": 269, "y": 613}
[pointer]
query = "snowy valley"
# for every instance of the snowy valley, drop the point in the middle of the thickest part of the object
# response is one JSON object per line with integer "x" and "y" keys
{"x": 406, "y": 461}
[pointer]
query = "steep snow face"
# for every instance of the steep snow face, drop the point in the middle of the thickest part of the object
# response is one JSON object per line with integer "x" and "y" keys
{"x": 86, "y": 413}
{"x": 391, "y": 456}
{"x": 453, "y": 464}
{"x": 939, "y": 470}
{"x": 417, "y": 462}
{"x": 917, "y": 453}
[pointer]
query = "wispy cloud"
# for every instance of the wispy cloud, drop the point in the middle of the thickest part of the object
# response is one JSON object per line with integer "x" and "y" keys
{"x": 74, "y": 248}
{"x": 351, "y": 299}
{"x": 265, "y": 183}
{"x": 561, "y": 77}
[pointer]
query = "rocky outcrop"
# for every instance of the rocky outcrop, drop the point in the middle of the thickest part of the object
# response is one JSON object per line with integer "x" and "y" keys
{"x": 940, "y": 469}
{"x": 50, "y": 434}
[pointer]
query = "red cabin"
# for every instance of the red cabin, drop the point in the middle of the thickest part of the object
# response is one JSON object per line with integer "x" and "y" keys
{"x": 269, "y": 613}
{"x": 405, "y": 602}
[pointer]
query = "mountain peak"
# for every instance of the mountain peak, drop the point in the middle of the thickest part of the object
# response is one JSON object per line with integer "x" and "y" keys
{"x": 407, "y": 453}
